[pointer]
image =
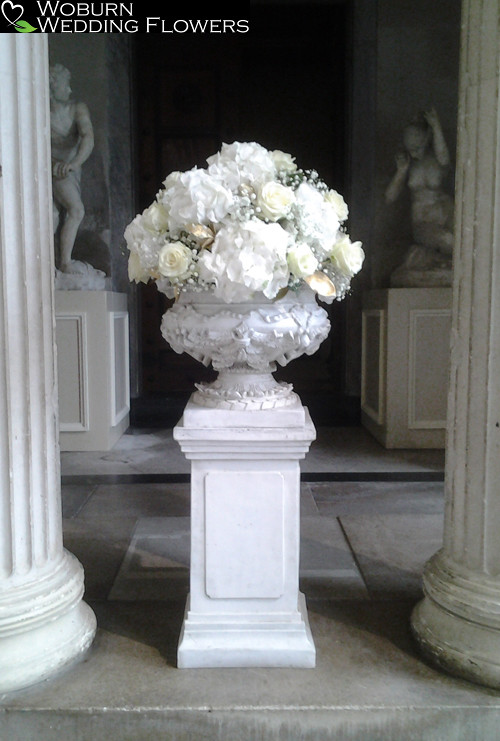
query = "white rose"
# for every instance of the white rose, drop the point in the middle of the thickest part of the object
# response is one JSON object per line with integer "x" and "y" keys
{"x": 283, "y": 161}
{"x": 301, "y": 260}
{"x": 348, "y": 256}
{"x": 174, "y": 260}
{"x": 136, "y": 272}
{"x": 338, "y": 203}
{"x": 155, "y": 217}
{"x": 274, "y": 200}
{"x": 245, "y": 259}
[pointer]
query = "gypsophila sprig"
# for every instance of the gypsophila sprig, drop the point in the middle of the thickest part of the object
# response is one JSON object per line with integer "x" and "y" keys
{"x": 249, "y": 222}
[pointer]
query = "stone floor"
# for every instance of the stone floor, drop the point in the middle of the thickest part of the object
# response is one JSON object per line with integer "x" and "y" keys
{"x": 370, "y": 519}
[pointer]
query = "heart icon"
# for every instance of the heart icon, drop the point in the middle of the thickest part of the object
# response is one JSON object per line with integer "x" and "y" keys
{"x": 10, "y": 10}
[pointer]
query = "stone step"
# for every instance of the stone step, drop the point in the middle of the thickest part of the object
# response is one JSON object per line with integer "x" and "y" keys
{"x": 369, "y": 684}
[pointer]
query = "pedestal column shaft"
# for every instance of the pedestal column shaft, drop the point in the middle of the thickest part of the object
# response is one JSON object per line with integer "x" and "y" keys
{"x": 41, "y": 585}
{"x": 458, "y": 622}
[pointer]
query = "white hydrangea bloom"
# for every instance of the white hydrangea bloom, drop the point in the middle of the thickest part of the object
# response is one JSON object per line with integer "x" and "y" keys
{"x": 245, "y": 259}
{"x": 197, "y": 198}
{"x": 241, "y": 163}
{"x": 144, "y": 242}
{"x": 136, "y": 272}
{"x": 317, "y": 222}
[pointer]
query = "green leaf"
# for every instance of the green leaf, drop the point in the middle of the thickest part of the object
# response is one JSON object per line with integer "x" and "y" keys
{"x": 24, "y": 27}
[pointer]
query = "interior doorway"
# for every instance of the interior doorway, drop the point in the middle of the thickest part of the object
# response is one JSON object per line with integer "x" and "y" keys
{"x": 285, "y": 84}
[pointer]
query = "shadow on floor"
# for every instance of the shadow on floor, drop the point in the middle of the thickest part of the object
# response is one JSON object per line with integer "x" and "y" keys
{"x": 154, "y": 624}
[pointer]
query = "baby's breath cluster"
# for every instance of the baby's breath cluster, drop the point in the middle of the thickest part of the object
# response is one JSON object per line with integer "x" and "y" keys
{"x": 297, "y": 177}
{"x": 249, "y": 222}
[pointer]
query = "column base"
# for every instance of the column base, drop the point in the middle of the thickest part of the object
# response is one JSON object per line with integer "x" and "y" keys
{"x": 44, "y": 625}
{"x": 30, "y": 657}
{"x": 247, "y": 640}
{"x": 457, "y": 624}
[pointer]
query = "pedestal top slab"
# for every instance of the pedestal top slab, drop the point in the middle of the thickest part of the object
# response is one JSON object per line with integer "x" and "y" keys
{"x": 199, "y": 416}
{"x": 212, "y": 434}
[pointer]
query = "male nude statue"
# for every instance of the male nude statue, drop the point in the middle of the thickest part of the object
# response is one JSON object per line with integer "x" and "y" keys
{"x": 72, "y": 140}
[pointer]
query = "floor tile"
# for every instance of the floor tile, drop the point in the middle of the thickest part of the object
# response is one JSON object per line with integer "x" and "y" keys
{"x": 151, "y": 451}
{"x": 391, "y": 550}
{"x": 354, "y": 449}
{"x": 307, "y": 502}
{"x": 74, "y": 497}
{"x": 327, "y": 567}
{"x": 156, "y": 565}
{"x": 337, "y": 498}
{"x": 137, "y": 500}
{"x": 100, "y": 545}
{"x": 150, "y": 500}
{"x": 335, "y": 449}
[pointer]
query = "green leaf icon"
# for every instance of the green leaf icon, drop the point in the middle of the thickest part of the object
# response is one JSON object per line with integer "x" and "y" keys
{"x": 24, "y": 27}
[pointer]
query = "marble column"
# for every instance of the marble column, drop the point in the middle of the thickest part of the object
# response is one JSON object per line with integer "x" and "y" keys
{"x": 44, "y": 624}
{"x": 458, "y": 623}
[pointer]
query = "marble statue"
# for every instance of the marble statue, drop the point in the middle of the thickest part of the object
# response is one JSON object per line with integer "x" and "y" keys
{"x": 423, "y": 166}
{"x": 72, "y": 142}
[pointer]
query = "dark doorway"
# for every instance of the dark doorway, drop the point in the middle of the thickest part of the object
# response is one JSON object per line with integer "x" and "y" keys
{"x": 285, "y": 85}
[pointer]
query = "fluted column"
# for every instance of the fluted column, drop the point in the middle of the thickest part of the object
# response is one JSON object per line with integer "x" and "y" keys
{"x": 458, "y": 622}
{"x": 44, "y": 624}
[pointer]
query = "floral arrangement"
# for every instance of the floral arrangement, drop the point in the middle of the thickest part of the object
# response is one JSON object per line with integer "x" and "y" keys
{"x": 251, "y": 221}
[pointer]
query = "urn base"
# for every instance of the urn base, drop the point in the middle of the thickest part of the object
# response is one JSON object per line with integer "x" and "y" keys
{"x": 244, "y": 388}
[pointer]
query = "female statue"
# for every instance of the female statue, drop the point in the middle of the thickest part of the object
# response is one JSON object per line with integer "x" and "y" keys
{"x": 423, "y": 167}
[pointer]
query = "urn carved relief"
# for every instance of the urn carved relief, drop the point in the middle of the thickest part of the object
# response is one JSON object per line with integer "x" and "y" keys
{"x": 244, "y": 342}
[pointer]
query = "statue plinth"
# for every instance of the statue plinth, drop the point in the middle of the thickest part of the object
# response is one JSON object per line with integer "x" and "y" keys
{"x": 423, "y": 267}
{"x": 87, "y": 278}
{"x": 93, "y": 368}
{"x": 405, "y": 365}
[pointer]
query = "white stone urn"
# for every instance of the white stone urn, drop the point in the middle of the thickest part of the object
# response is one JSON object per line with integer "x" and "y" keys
{"x": 244, "y": 342}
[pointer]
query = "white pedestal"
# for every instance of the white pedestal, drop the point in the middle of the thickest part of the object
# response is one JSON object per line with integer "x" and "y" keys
{"x": 245, "y": 608}
{"x": 405, "y": 366}
{"x": 93, "y": 368}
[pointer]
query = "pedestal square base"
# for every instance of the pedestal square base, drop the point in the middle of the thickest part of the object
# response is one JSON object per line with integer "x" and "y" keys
{"x": 247, "y": 640}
